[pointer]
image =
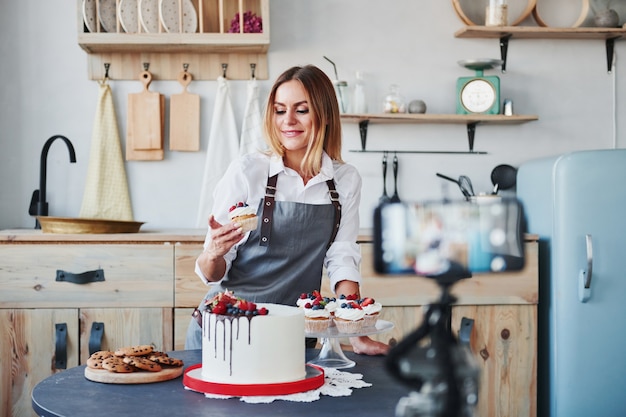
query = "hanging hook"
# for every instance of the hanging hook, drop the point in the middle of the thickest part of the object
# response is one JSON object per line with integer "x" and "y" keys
{"x": 146, "y": 66}
{"x": 224, "y": 67}
{"x": 252, "y": 69}
{"x": 185, "y": 67}
{"x": 106, "y": 70}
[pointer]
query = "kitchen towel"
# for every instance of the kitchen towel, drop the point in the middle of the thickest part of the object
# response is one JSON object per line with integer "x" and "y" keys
{"x": 106, "y": 193}
{"x": 223, "y": 147}
{"x": 251, "y": 129}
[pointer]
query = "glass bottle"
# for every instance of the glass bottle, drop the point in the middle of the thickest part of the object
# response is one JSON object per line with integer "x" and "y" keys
{"x": 394, "y": 102}
{"x": 359, "y": 100}
{"x": 496, "y": 13}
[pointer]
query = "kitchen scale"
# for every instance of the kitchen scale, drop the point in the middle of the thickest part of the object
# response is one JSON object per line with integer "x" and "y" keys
{"x": 478, "y": 94}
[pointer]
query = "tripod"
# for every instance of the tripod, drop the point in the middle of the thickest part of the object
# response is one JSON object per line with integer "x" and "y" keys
{"x": 442, "y": 372}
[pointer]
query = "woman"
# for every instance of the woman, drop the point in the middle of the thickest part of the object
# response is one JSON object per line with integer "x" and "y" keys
{"x": 295, "y": 185}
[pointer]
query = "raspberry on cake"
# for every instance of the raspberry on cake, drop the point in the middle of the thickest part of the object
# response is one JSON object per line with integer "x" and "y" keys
{"x": 244, "y": 215}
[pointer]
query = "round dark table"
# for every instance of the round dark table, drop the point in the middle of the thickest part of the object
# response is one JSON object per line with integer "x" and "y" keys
{"x": 70, "y": 394}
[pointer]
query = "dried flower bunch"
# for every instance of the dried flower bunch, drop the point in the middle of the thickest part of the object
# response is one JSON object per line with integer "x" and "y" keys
{"x": 251, "y": 23}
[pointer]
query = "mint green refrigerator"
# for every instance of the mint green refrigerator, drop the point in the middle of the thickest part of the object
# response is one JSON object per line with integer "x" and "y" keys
{"x": 576, "y": 203}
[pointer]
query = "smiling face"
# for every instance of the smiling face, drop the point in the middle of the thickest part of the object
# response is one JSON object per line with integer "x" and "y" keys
{"x": 292, "y": 119}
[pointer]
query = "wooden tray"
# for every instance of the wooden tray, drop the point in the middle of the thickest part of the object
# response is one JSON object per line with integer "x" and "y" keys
{"x": 69, "y": 225}
{"x": 138, "y": 377}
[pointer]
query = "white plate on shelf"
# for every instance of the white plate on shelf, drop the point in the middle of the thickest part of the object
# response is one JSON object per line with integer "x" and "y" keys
{"x": 129, "y": 16}
{"x": 89, "y": 15}
{"x": 149, "y": 15}
{"x": 108, "y": 15}
{"x": 169, "y": 15}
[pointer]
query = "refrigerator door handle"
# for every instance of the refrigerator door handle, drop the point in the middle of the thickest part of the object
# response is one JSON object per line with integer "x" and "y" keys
{"x": 584, "y": 276}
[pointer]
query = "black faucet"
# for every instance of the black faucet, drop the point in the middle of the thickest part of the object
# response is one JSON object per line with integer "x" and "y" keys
{"x": 38, "y": 203}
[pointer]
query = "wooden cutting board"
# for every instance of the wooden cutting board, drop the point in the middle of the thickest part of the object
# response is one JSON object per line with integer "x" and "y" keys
{"x": 144, "y": 135}
{"x": 138, "y": 377}
{"x": 185, "y": 117}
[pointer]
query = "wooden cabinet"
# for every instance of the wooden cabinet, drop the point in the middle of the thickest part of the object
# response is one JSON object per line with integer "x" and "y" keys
{"x": 129, "y": 300}
{"x": 205, "y": 43}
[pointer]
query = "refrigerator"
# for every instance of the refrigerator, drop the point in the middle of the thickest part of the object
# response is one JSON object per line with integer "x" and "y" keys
{"x": 576, "y": 204}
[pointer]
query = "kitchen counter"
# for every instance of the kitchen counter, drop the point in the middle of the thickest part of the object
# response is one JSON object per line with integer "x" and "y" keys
{"x": 150, "y": 289}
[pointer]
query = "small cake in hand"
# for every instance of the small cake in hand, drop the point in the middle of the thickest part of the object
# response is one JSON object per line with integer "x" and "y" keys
{"x": 372, "y": 310}
{"x": 349, "y": 317}
{"x": 244, "y": 215}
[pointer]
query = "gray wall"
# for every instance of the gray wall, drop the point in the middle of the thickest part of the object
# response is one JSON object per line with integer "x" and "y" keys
{"x": 45, "y": 91}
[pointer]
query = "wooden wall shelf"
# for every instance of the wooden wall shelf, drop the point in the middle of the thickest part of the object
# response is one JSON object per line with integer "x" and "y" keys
{"x": 504, "y": 33}
{"x": 470, "y": 120}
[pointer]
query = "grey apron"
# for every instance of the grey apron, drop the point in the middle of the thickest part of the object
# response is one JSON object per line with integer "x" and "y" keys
{"x": 281, "y": 259}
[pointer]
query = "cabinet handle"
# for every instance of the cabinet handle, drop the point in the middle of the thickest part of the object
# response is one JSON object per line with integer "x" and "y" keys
{"x": 60, "y": 346}
{"x": 82, "y": 278}
{"x": 95, "y": 337}
{"x": 465, "y": 332}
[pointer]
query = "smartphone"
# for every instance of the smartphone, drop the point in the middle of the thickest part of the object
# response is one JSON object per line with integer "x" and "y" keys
{"x": 443, "y": 238}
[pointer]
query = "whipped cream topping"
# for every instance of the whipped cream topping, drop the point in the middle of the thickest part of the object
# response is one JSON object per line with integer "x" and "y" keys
{"x": 331, "y": 306}
{"x": 316, "y": 314}
{"x": 241, "y": 211}
{"x": 372, "y": 308}
{"x": 352, "y": 314}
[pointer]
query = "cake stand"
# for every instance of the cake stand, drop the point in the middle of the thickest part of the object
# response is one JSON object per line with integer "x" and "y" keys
{"x": 331, "y": 355}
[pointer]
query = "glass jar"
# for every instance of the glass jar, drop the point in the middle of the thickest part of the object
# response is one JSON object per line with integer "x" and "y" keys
{"x": 394, "y": 102}
{"x": 341, "y": 90}
{"x": 496, "y": 13}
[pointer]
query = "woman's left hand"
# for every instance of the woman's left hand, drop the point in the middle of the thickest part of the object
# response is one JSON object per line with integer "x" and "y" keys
{"x": 363, "y": 345}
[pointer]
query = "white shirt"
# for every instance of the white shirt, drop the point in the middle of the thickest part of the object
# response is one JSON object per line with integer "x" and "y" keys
{"x": 245, "y": 181}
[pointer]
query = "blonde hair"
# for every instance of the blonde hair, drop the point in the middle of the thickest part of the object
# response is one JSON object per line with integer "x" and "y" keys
{"x": 324, "y": 110}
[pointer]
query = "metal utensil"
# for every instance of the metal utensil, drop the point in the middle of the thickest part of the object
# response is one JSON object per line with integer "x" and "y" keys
{"x": 465, "y": 192}
{"x": 466, "y": 183}
{"x": 395, "y": 198}
{"x": 384, "y": 198}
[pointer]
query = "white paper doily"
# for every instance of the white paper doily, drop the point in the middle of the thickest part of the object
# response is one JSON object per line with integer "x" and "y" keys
{"x": 336, "y": 384}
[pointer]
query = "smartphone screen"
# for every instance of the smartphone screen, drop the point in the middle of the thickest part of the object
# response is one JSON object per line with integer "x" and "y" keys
{"x": 449, "y": 238}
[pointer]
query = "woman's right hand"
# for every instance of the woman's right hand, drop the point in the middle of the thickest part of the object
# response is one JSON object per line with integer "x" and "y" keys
{"x": 223, "y": 237}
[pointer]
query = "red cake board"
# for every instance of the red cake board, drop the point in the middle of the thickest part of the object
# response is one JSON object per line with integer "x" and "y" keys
{"x": 192, "y": 379}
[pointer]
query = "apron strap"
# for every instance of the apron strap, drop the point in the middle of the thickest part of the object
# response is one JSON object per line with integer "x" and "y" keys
{"x": 268, "y": 210}
{"x": 334, "y": 199}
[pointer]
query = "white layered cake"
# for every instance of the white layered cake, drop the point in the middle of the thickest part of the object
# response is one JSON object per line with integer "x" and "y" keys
{"x": 262, "y": 346}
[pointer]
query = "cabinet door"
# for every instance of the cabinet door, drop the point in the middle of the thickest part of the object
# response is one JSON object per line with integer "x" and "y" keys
{"x": 126, "y": 327}
{"x": 504, "y": 343}
{"x": 27, "y": 353}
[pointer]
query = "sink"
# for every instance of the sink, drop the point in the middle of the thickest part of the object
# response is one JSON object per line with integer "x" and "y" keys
{"x": 69, "y": 225}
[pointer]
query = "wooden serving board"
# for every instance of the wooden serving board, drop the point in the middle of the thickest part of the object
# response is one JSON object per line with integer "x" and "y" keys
{"x": 138, "y": 377}
{"x": 144, "y": 136}
{"x": 184, "y": 118}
